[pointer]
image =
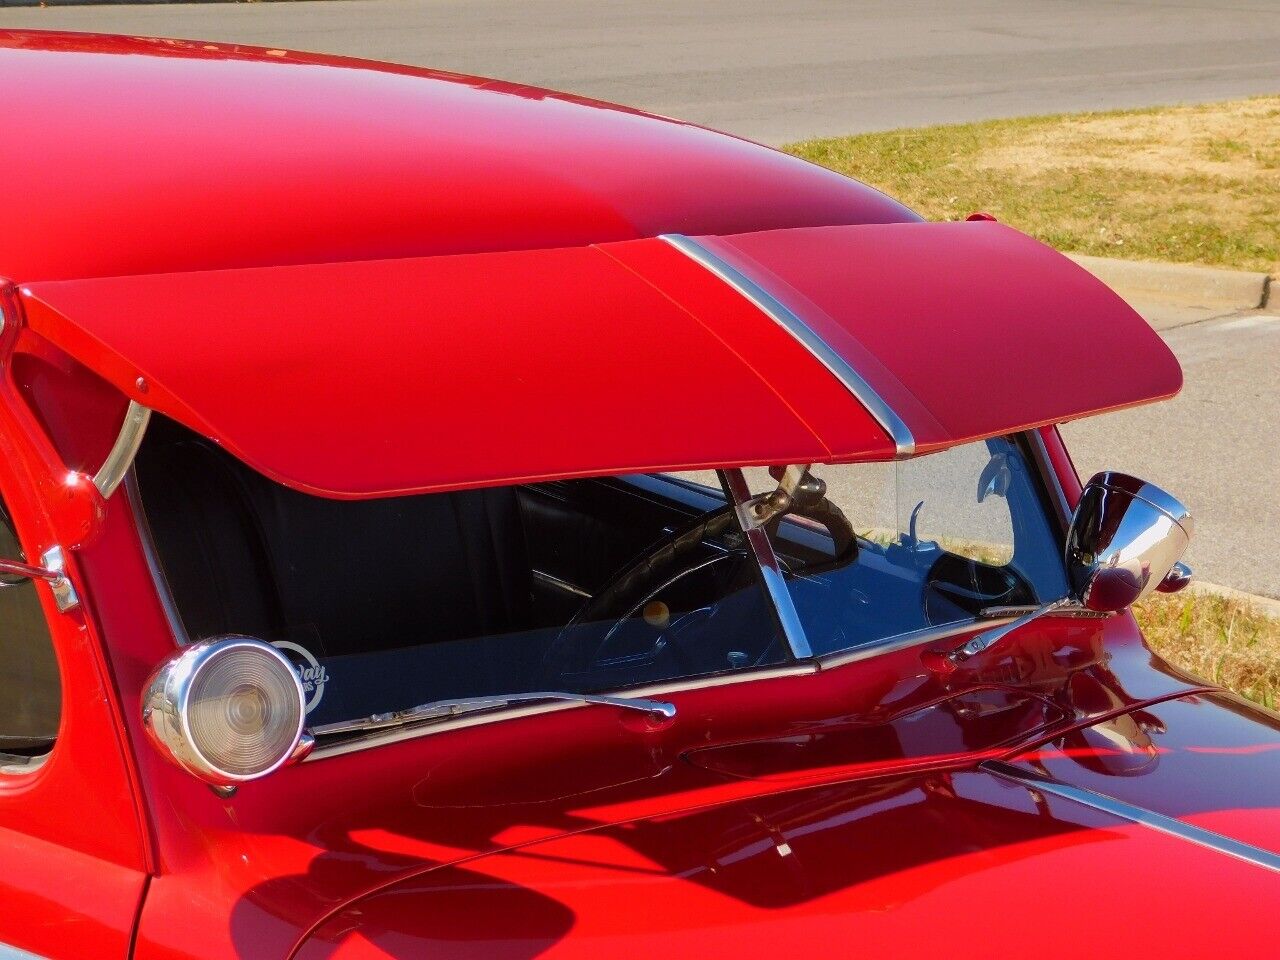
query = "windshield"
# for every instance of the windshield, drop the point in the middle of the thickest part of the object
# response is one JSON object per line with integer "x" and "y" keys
{"x": 588, "y": 586}
{"x": 936, "y": 540}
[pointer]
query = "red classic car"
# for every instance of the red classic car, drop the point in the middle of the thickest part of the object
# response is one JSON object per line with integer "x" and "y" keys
{"x": 445, "y": 518}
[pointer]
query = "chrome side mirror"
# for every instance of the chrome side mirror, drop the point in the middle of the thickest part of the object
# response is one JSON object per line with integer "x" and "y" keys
{"x": 1125, "y": 541}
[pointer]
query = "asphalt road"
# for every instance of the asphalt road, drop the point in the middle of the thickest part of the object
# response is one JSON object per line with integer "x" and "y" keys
{"x": 774, "y": 71}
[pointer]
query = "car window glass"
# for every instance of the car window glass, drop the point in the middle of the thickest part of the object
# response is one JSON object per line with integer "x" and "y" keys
{"x": 936, "y": 540}
{"x": 606, "y": 583}
{"x": 30, "y": 690}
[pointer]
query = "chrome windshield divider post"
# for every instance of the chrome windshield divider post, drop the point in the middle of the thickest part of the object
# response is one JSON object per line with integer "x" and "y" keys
{"x": 116, "y": 467}
{"x": 770, "y": 570}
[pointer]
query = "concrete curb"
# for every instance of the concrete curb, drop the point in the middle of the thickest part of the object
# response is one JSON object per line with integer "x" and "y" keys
{"x": 1267, "y": 606}
{"x": 1197, "y": 286}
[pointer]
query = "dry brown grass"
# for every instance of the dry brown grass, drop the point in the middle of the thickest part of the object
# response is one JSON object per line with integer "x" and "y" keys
{"x": 1195, "y": 184}
{"x": 1223, "y": 640}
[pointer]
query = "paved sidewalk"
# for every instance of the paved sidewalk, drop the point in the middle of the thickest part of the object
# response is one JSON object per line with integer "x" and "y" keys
{"x": 774, "y": 71}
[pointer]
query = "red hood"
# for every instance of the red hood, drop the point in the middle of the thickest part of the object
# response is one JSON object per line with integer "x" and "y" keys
{"x": 956, "y": 862}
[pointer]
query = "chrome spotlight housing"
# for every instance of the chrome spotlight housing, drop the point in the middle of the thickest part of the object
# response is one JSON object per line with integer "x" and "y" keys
{"x": 228, "y": 710}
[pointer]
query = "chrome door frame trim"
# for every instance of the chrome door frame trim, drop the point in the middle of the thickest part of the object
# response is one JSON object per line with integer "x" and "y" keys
{"x": 1141, "y": 816}
{"x": 1048, "y": 475}
{"x": 751, "y": 290}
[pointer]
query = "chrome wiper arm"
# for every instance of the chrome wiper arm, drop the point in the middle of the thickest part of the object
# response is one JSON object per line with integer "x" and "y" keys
{"x": 447, "y": 709}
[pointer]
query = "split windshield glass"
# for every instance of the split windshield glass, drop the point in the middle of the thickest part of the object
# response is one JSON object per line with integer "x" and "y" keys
{"x": 600, "y": 584}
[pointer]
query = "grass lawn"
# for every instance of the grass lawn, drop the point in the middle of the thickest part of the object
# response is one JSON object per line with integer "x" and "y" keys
{"x": 1195, "y": 184}
{"x": 1220, "y": 639}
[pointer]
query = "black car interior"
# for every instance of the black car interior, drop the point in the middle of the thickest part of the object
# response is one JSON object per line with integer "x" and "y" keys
{"x": 457, "y": 594}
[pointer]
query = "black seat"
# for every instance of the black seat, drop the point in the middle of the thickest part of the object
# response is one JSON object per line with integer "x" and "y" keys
{"x": 245, "y": 555}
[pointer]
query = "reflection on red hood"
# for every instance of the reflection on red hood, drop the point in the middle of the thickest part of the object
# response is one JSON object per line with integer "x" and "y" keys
{"x": 960, "y": 863}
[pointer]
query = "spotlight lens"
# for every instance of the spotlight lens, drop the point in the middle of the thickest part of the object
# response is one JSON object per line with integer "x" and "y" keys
{"x": 244, "y": 711}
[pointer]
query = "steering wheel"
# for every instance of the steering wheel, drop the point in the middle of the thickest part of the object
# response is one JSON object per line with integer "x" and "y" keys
{"x": 971, "y": 585}
{"x": 664, "y": 563}
{"x": 676, "y": 556}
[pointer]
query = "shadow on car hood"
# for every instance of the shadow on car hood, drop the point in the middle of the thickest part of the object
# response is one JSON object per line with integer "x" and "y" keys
{"x": 965, "y": 862}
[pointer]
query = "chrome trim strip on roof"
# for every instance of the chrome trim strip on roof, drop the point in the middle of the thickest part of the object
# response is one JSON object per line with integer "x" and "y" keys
{"x": 1138, "y": 815}
{"x": 112, "y": 472}
{"x": 840, "y": 368}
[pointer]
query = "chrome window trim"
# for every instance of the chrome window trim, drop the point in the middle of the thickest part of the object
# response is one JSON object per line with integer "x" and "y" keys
{"x": 24, "y": 766}
{"x": 1159, "y": 822}
{"x": 13, "y": 953}
{"x": 120, "y": 460}
{"x": 751, "y": 290}
{"x": 804, "y": 664}
{"x": 384, "y": 738}
{"x": 1049, "y": 476}
{"x": 176, "y": 627}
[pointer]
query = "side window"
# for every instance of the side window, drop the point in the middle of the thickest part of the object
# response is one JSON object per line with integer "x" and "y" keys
{"x": 964, "y": 519}
{"x": 30, "y": 690}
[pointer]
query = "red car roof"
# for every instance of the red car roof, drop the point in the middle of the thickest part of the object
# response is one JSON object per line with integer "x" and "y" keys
{"x": 129, "y": 155}
{"x": 813, "y": 344}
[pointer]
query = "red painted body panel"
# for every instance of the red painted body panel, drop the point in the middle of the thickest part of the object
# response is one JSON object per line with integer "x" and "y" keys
{"x": 74, "y": 852}
{"x": 962, "y": 326}
{"x": 834, "y": 812}
{"x": 150, "y": 156}
{"x": 393, "y": 376}
{"x": 885, "y": 858}
{"x": 390, "y": 376}
{"x": 1183, "y": 759}
{"x": 251, "y": 875}
{"x": 954, "y": 864}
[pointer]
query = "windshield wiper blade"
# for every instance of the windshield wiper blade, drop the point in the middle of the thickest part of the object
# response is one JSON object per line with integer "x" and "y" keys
{"x": 1018, "y": 610}
{"x": 448, "y": 709}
